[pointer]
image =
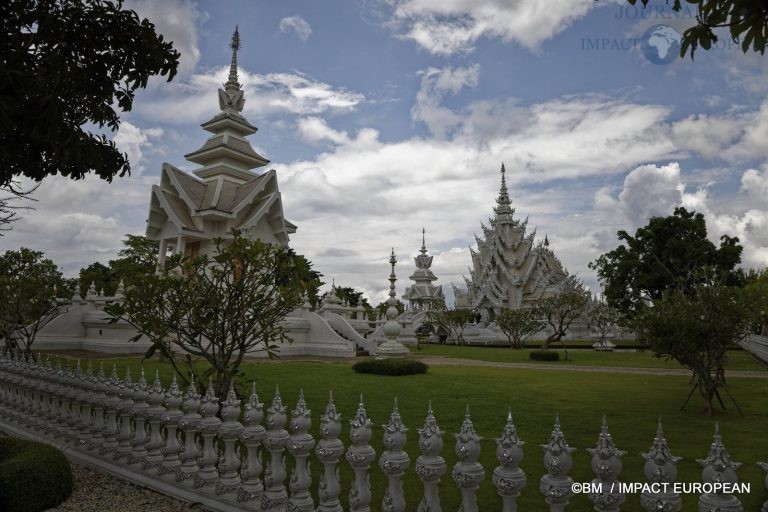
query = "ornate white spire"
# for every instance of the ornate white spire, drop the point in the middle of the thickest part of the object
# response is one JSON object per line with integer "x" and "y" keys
{"x": 504, "y": 208}
{"x": 231, "y": 98}
{"x": 232, "y": 84}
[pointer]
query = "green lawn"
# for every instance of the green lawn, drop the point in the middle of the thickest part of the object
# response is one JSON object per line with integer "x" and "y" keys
{"x": 737, "y": 359}
{"x": 632, "y": 403}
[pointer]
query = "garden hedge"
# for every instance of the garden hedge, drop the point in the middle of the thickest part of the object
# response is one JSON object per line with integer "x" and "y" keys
{"x": 33, "y": 476}
{"x": 391, "y": 366}
{"x": 544, "y": 355}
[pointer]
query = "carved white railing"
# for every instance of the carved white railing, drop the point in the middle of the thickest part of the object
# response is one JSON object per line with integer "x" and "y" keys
{"x": 196, "y": 449}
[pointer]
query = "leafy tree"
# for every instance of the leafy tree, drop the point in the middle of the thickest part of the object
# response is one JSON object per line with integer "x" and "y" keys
{"x": 66, "y": 66}
{"x": 101, "y": 276}
{"x": 518, "y": 325}
{"x": 10, "y": 195}
{"x": 666, "y": 254}
{"x": 350, "y": 296}
{"x": 746, "y": 20}
{"x": 29, "y": 283}
{"x": 696, "y": 329}
{"x": 303, "y": 274}
{"x": 218, "y": 308}
{"x": 603, "y": 318}
{"x": 757, "y": 298}
{"x": 455, "y": 321}
{"x": 561, "y": 310}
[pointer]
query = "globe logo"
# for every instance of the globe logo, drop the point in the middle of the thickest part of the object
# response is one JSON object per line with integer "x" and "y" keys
{"x": 661, "y": 44}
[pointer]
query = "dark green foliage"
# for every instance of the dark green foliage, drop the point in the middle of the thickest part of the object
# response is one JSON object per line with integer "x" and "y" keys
{"x": 746, "y": 21}
{"x": 66, "y": 66}
{"x": 33, "y": 476}
{"x": 668, "y": 253}
{"x": 391, "y": 366}
{"x": 544, "y": 355}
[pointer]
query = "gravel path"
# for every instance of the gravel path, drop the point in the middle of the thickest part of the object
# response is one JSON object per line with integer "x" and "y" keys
{"x": 94, "y": 492}
{"x": 455, "y": 361}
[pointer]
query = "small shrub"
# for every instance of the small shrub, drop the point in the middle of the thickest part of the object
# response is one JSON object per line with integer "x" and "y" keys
{"x": 544, "y": 355}
{"x": 33, "y": 476}
{"x": 390, "y": 366}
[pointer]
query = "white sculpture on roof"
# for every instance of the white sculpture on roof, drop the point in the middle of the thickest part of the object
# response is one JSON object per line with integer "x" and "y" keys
{"x": 188, "y": 210}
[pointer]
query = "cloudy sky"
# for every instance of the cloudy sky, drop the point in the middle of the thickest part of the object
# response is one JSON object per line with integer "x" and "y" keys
{"x": 385, "y": 116}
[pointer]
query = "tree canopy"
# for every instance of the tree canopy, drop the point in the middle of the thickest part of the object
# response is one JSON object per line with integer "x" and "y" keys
{"x": 66, "y": 66}
{"x": 669, "y": 252}
{"x": 746, "y": 21}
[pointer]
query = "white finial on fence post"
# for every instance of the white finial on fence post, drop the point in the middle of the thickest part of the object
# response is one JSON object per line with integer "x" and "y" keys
{"x": 188, "y": 425}
{"x": 275, "y": 495}
{"x": 329, "y": 449}
{"x": 300, "y": 446}
{"x": 155, "y": 417}
{"x": 719, "y": 468}
{"x": 208, "y": 427}
{"x": 606, "y": 465}
{"x": 430, "y": 466}
{"x": 251, "y": 436}
{"x": 171, "y": 419}
{"x": 660, "y": 468}
{"x": 124, "y": 409}
{"x": 229, "y": 432}
{"x": 556, "y": 484}
{"x": 360, "y": 456}
{"x": 508, "y": 478}
{"x": 394, "y": 461}
{"x": 468, "y": 473}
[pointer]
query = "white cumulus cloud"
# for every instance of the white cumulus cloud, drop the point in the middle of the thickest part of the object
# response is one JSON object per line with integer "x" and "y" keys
{"x": 295, "y": 25}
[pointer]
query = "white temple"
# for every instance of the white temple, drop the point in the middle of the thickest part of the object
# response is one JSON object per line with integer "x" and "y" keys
{"x": 187, "y": 211}
{"x": 509, "y": 268}
{"x": 422, "y": 290}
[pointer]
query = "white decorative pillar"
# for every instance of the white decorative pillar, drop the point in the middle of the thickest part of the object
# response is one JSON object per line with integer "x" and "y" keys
{"x": 188, "y": 425}
{"x": 719, "y": 468}
{"x": 111, "y": 405}
{"x": 208, "y": 427}
{"x": 360, "y": 456}
{"x": 300, "y": 445}
{"x": 155, "y": 418}
{"x": 140, "y": 413}
{"x": 661, "y": 468}
{"x": 251, "y": 488}
{"x": 329, "y": 450}
{"x": 508, "y": 478}
{"x": 171, "y": 419}
{"x": 394, "y": 461}
{"x": 556, "y": 484}
{"x": 275, "y": 495}
{"x": 468, "y": 473}
{"x": 124, "y": 436}
{"x": 229, "y": 431}
{"x": 99, "y": 397}
{"x": 430, "y": 466}
{"x": 606, "y": 465}
{"x": 392, "y": 347}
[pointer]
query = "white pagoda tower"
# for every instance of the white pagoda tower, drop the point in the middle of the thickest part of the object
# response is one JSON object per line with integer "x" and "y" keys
{"x": 187, "y": 211}
{"x": 509, "y": 269}
{"x": 423, "y": 277}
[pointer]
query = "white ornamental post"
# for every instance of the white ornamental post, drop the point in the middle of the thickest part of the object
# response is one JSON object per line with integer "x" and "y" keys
{"x": 171, "y": 419}
{"x": 251, "y": 488}
{"x": 556, "y": 485}
{"x": 275, "y": 495}
{"x": 468, "y": 473}
{"x": 208, "y": 427}
{"x": 394, "y": 461}
{"x": 719, "y": 468}
{"x": 229, "y": 431}
{"x": 155, "y": 417}
{"x": 508, "y": 478}
{"x": 430, "y": 466}
{"x": 329, "y": 450}
{"x": 140, "y": 412}
{"x": 188, "y": 425}
{"x": 606, "y": 466}
{"x": 111, "y": 405}
{"x": 660, "y": 468}
{"x": 300, "y": 445}
{"x": 124, "y": 436}
{"x": 99, "y": 397}
{"x": 360, "y": 456}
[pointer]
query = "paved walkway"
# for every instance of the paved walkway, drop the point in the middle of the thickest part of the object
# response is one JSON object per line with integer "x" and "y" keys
{"x": 454, "y": 361}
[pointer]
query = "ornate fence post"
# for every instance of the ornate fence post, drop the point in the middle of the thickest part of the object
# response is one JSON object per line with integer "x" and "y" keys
{"x": 556, "y": 484}
{"x": 99, "y": 397}
{"x": 86, "y": 405}
{"x": 329, "y": 450}
{"x": 468, "y": 473}
{"x": 660, "y": 469}
{"x": 508, "y": 478}
{"x": 124, "y": 446}
{"x": 208, "y": 428}
{"x": 251, "y": 436}
{"x": 188, "y": 425}
{"x": 606, "y": 465}
{"x": 394, "y": 461}
{"x": 719, "y": 468}
{"x": 229, "y": 432}
{"x": 111, "y": 405}
{"x": 275, "y": 495}
{"x": 62, "y": 392}
{"x": 430, "y": 466}
{"x": 360, "y": 456}
{"x": 764, "y": 467}
{"x": 155, "y": 417}
{"x": 300, "y": 445}
{"x": 171, "y": 419}
{"x": 73, "y": 422}
{"x": 140, "y": 412}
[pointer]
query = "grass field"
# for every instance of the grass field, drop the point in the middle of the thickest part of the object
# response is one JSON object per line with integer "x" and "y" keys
{"x": 632, "y": 404}
{"x": 737, "y": 359}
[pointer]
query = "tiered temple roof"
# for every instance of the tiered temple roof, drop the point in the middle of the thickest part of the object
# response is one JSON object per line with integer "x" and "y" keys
{"x": 189, "y": 210}
{"x": 423, "y": 289}
{"x": 509, "y": 268}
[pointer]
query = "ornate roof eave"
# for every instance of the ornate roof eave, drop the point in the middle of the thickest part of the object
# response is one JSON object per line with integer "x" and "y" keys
{"x": 158, "y": 193}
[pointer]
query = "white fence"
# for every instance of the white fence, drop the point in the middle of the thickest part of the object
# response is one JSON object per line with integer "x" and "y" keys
{"x": 196, "y": 449}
